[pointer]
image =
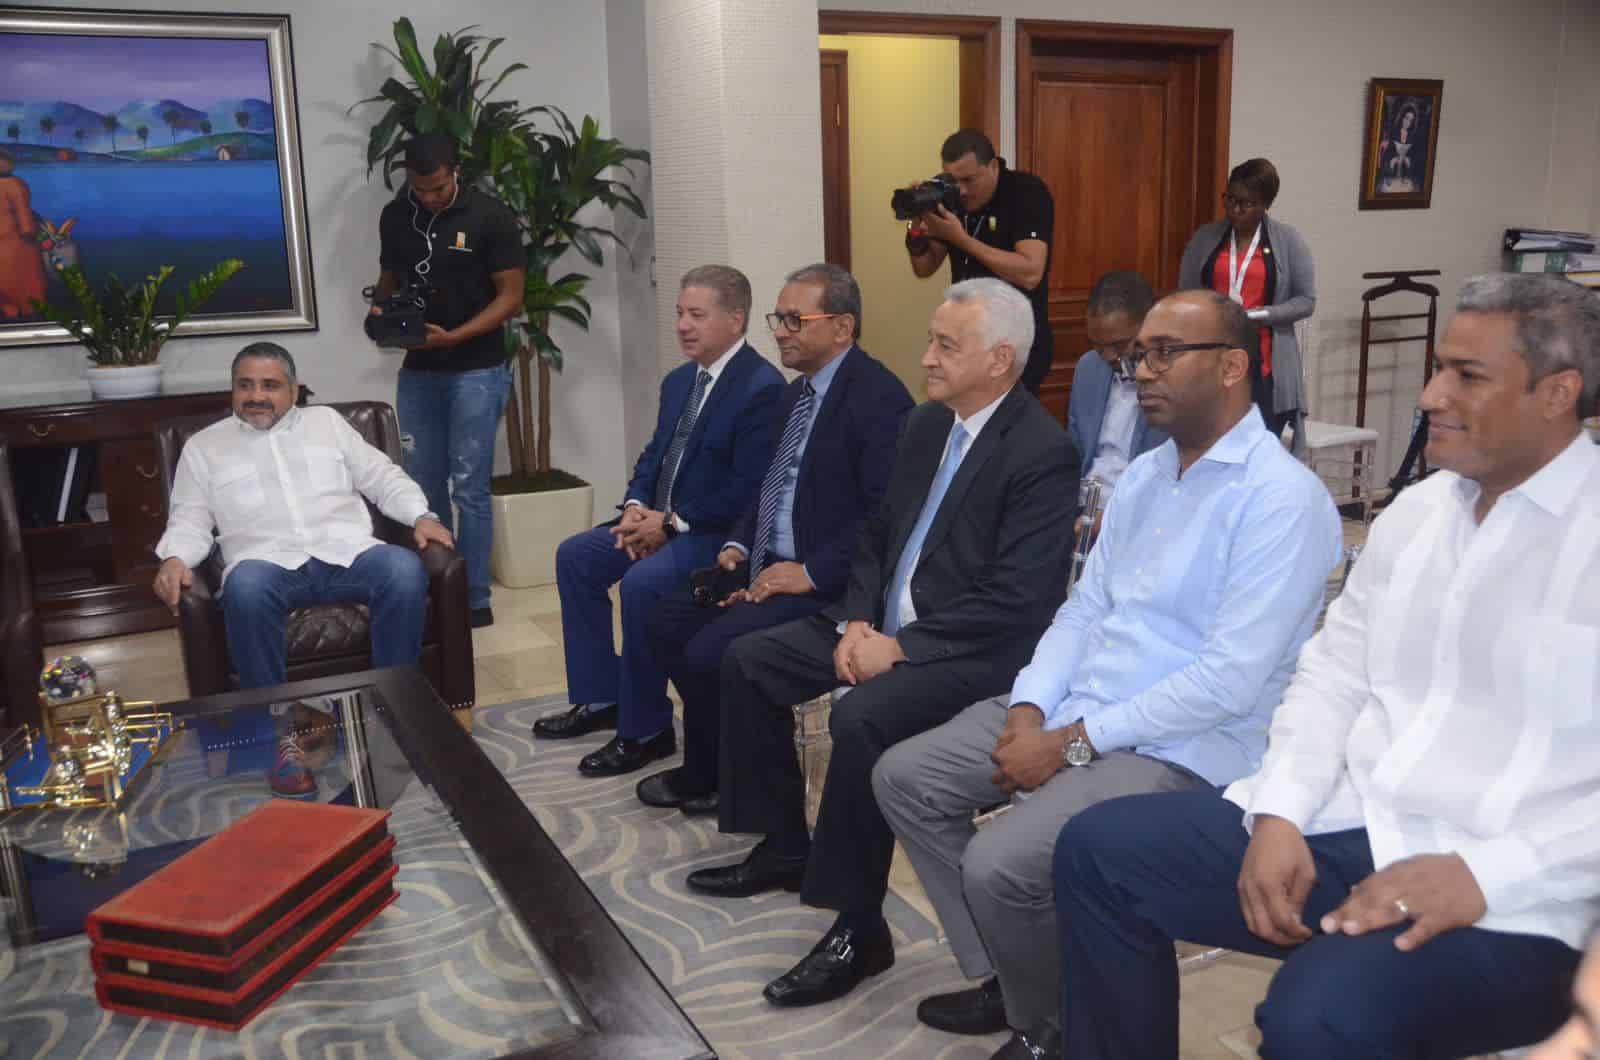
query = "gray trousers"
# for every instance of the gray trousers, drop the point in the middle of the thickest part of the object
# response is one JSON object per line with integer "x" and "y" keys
{"x": 992, "y": 888}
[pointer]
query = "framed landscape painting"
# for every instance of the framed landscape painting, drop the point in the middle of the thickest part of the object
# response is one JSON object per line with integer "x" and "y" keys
{"x": 1402, "y": 139}
{"x": 132, "y": 141}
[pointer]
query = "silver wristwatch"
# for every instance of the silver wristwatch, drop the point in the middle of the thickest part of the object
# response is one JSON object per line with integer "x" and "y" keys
{"x": 1077, "y": 752}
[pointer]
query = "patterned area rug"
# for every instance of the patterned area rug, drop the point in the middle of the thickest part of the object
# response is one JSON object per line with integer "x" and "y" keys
{"x": 716, "y": 955}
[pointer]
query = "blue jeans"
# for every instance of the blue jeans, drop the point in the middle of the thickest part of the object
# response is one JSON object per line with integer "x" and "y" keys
{"x": 258, "y": 596}
{"x": 1133, "y": 874}
{"x": 447, "y": 426}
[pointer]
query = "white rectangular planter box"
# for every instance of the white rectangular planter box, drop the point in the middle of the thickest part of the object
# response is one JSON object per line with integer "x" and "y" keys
{"x": 527, "y": 529}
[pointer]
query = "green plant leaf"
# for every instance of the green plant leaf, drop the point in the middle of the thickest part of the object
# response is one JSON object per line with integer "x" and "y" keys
{"x": 405, "y": 38}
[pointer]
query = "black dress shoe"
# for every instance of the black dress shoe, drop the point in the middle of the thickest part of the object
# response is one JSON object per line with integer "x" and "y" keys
{"x": 759, "y": 872}
{"x": 661, "y": 789}
{"x": 621, "y": 755}
{"x": 980, "y": 1010}
{"x": 581, "y": 720}
{"x": 701, "y": 805}
{"x": 1043, "y": 1044}
{"x": 839, "y": 962}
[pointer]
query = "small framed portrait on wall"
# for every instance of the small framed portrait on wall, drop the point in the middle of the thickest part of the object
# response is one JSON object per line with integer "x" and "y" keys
{"x": 1402, "y": 138}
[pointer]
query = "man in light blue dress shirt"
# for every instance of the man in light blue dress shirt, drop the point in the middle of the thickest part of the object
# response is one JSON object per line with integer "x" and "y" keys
{"x": 1159, "y": 673}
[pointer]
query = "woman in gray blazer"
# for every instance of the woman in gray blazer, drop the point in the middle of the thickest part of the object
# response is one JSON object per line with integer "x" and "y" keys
{"x": 1265, "y": 266}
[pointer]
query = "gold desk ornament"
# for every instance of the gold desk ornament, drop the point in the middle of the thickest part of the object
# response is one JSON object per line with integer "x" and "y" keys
{"x": 98, "y": 742}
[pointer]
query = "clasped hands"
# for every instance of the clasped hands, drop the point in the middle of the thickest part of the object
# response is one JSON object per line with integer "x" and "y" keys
{"x": 863, "y": 653}
{"x": 641, "y": 531}
{"x": 1026, "y": 756}
{"x": 1435, "y": 893}
{"x": 785, "y": 578}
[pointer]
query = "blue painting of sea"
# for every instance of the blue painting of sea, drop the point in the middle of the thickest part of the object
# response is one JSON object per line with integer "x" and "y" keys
{"x": 133, "y": 216}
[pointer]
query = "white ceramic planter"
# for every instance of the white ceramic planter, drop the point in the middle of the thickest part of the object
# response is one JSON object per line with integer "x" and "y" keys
{"x": 527, "y": 529}
{"x": 123, "y": 381}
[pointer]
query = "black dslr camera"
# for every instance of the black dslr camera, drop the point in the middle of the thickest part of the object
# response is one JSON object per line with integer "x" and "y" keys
{"x": 711, "y": 585}
{"x": 913, "y": 202}
{"x": 400, "y": 323}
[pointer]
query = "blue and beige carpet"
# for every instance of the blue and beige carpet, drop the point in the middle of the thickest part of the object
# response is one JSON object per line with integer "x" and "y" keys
{"x": 716, "y": 955}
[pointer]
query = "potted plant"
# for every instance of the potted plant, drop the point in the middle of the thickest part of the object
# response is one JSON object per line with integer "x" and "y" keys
{"x": 119, "y": 328}
{"x": 547, "y": 171}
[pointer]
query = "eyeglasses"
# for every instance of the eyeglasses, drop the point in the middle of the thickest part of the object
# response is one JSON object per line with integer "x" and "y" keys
{"x": 1159, "y": 358}
{"x": 1229, "y": 202}
{"x": 794, "y": 321}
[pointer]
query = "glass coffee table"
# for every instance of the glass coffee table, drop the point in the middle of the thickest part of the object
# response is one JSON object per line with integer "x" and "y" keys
{"x": 494, "y": 948}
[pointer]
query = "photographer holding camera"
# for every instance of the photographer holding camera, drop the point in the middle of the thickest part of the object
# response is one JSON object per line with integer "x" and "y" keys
{"x": 451, "y": 254}
{"x": 990, "y": 221}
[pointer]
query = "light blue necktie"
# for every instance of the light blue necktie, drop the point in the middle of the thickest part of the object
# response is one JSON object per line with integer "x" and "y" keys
{"x": 919, "y": 532}
{"x": 794, "y": 431}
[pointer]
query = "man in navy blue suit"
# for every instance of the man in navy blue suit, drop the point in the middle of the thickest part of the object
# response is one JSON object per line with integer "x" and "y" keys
{"x": 1104, "y": 419}
{"x": 712, "y": 443}
{"x": 837, "y": 426}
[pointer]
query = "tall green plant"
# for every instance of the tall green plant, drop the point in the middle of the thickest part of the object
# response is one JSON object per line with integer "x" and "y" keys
{"x": 451, "y": 97}
{"x": 547, "y": 178}
{"x": 118, "y": 325}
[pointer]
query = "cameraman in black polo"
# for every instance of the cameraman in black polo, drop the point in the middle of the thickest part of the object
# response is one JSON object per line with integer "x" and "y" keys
{"x": 1003, "y": 230}
{"x": 462, "y": 247}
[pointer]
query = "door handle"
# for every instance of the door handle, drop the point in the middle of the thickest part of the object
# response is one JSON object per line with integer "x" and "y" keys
{"x": 152, "y": 473}
{"x": 37, "y": 432}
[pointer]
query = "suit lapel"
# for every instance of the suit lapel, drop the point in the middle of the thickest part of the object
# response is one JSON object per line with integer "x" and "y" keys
{"x": 984, "y": 446}
{"x": 831, "y": 402}
{"x": 929, "y": 451}
{"x": 731, "y": 379}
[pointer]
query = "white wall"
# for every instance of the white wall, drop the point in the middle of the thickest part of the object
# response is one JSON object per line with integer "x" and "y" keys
{"x": 564, "y": 42}
{"x": 736, "y": 135}
{"x": 1520, "y": 140}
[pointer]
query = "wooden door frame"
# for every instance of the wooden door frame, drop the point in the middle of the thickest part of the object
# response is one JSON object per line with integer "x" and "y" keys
{"x": 1216, "y": 42}
{"x": 979, "y": 36}
{"x": 841, "y": 58}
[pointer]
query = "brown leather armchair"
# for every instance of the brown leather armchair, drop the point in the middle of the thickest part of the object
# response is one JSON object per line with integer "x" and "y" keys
{"x": 329, "y": 638}
{"x": 20, "y": 647}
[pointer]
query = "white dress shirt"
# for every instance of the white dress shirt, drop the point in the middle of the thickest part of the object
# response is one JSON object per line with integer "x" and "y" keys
{"x": 1449, "y": 703}
{"x": 1114, "y": 448}
{"x": 283, "y": 495}
{"x": 973, "y": 425}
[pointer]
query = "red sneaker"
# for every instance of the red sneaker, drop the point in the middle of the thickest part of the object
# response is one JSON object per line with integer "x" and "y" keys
{"x": 289, "y": 777}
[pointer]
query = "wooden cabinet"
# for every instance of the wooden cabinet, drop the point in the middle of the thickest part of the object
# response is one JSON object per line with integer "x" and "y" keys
{"x": 93, "y": 579}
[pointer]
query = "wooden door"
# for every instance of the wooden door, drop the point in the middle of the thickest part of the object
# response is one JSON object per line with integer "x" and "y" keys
{"x": 1125, "y": 133}
{"x": 836, "y": 157}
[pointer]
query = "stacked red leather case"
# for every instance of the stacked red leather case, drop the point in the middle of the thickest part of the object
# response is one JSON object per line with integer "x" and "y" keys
{"x": 216, "y": 935}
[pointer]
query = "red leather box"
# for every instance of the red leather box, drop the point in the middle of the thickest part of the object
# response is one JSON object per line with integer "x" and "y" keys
{"x": 214, "y": 936}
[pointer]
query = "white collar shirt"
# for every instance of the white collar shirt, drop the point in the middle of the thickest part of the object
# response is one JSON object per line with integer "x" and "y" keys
{"x": 1449, "y": 702}
{"x": 284, "y": 495}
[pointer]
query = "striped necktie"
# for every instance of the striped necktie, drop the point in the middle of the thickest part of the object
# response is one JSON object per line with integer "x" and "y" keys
{"x": 680, "y": 439}
{"x": 912, "y": 553}
{"x": 772, "y": 486}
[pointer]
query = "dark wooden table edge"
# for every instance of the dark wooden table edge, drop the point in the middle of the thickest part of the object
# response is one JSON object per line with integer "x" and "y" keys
{"x": 630, "y": 1011}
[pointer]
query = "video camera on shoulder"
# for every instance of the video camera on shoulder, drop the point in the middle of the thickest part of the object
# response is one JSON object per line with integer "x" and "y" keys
{"x": 711, "y": 585}
{"x": 939, "y": 190}
{"x": 399, "y": 324}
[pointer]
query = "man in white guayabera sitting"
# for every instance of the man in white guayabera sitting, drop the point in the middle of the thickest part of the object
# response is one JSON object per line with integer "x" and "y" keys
{"x": 283, "y": 487}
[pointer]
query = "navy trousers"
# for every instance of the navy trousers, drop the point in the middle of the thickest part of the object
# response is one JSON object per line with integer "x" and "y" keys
{"x": 587, "y": 566}
{"x": 1133, "y": 874}
{"x": 689, "y": 640}
{"x": 258, "y": 596}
